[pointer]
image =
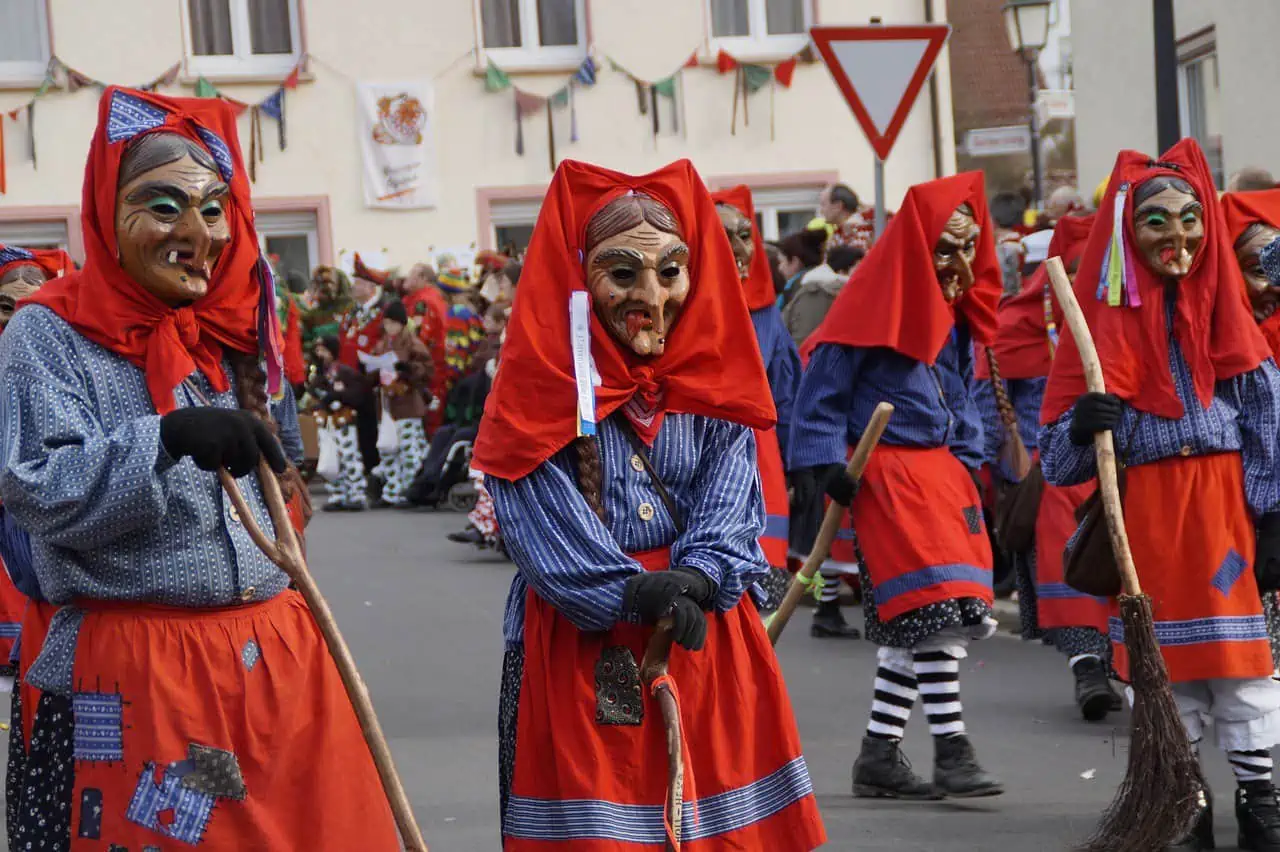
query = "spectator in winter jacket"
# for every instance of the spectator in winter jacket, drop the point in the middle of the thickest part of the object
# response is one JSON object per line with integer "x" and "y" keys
{"x": 817, "y": 289}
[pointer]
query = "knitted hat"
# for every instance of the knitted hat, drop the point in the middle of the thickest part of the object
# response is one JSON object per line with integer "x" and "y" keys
{"x": 453, "y": 281}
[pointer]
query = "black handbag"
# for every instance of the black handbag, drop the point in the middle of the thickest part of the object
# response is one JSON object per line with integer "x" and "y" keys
{"x": 1016, "y": 512}
{"x": 1089, "y": 561}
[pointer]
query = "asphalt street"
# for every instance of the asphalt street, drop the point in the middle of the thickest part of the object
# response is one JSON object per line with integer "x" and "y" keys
{"x": 424, "y": 616}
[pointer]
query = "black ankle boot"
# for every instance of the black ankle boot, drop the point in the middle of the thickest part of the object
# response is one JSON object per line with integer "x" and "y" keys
{"x": 1258, "y": 814}
{"x": 883, "y": 772}
{"x": 1200, "y": 837}
{"x": 1094, "y": 695}
{"x": 956, "y": 772}
{"x": 829, "y": 623}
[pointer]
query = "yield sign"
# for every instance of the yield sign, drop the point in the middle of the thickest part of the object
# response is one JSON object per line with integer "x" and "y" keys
{"x": 880, "y": 70}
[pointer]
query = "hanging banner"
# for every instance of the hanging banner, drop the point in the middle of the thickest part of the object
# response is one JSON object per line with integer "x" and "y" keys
{"x": 397, "y": 144}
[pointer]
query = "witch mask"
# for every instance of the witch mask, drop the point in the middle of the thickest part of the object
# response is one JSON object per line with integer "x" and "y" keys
{"x": 1263, "y": 298}
{"x": 954, "y": 253}
{"x": 171, "y": 218}
{"x": 1168, "y": 225}
{"x": 737, "y": 228}
{"x": 637, "y": 269}
{"x": 17, "y": 284}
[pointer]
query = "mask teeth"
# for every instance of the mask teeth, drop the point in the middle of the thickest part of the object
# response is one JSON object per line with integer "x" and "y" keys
{"x": 173, "y": 257}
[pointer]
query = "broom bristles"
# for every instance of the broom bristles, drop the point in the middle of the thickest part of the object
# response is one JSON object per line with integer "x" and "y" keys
{"x": 1158, "y": 799}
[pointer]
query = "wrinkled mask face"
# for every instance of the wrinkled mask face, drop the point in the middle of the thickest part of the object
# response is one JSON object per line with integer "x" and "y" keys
{"x": 17, "y": 284}
{"x": 737, "y": 228}
{"x": 1169, "y": 230}
{"x": 325, "y": 286}
{"x": 1262, "y": 296}
{"x": 171, "y": 228}
{"x": 639, "y": 280}
{"x": 954, "y": 253}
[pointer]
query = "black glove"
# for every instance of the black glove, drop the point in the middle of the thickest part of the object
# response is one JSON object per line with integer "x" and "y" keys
{"x": 1094, "y": 413}
{"x": 680, "y": 592}
{"x": 1266, "y": 565}
{"x": 837, "y": 483}
{"x": 803, "y": 485}
{"x": 220, "y": 437}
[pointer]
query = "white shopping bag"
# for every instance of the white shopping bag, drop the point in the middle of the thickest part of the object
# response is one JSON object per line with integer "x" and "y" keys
{"x": 327, "y": 465}
{"x": 388, "y": 440}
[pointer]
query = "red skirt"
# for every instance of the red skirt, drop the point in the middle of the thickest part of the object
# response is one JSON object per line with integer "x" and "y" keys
{"x": 773, "y": 480}
{"x": 226, "y": 728}
{"x": 920, "y": 527}
{"x": 12, "y": 604}
{"x": 1193, "y": 545}
{"x": 591, "y": 758}
{"x": 1057, "y": 604}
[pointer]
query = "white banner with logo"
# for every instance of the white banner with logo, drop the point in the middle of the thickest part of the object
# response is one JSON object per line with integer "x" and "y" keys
{"x": 397, "y": 144}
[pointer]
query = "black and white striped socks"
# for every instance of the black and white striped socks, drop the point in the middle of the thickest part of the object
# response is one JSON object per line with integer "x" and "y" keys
{"x": 891, "y": 707}
{"x": 1250, "y": 765}
{"x": 830, "y": 587}
{"x": 938, "y": 674}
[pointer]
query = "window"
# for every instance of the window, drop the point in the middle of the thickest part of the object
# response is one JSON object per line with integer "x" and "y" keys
{"x": 533, "y": 33}
{"x": 513, "y": 224}
{"x": 1198, "y": 97}
{"x": 24, "y": 40}
{"x": 785, "y": 210}
{"x": 241, "y": 38}
{"x": 294, "y": 238}
{"x": 38, "y": 234}
{"x": 753, "y": 29}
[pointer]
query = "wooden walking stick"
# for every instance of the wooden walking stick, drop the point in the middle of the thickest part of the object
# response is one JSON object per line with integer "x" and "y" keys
{"x": 657, "y": 679}
{"x": 830, "y": 523}
{"x": 286, "y": 553}
{"x": 1159, "y": 797}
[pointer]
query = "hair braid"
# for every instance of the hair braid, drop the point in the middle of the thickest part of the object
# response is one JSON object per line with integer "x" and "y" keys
{"x": 1003, "y": 404}
{"x": 591, "y": 475}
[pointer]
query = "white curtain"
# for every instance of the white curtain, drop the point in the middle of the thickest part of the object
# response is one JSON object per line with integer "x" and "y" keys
{"x": 211, "y": 27}
{"x": 269, "y": 26}
{"x": 730, "y": 18}
{"x": 20, "y": 32}
{"x": 501, "y": 20}
{"x": 784, "y": 17}
{"x": 557, "y": 22}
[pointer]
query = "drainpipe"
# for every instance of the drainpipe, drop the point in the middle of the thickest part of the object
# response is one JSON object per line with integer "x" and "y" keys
{"x": 934, "y": 118}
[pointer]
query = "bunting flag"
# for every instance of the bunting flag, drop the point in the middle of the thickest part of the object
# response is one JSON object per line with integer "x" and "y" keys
{"x": 272, "y": 106}
{"x": 528, "y": 103}
{"x": 750, "y": 78}
{"x": 783, "y": 72}
{"x": 648, "y": 92}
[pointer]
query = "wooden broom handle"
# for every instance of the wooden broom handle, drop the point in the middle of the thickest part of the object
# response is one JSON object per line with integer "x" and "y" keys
{"x": 287, "y": 553}
{"x": 830, "y": 523}
{"x": 653, "y": 666}
{"x": 1103, "y": 442}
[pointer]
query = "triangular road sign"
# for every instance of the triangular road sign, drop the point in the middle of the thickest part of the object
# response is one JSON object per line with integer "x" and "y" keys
{"x": 880, "y": 71}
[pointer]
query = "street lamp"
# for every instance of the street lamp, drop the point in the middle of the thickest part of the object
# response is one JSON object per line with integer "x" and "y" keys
{"x": 1027, "y": 24}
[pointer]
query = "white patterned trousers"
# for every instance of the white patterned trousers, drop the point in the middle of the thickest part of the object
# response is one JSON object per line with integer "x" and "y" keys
{"x": 350, "y": 488}
{"x": 399, "y": 467}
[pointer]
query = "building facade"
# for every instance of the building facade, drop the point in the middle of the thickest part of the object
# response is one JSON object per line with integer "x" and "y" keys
{"x": 310, "y": 198}
{"x": 1227, "y": 68}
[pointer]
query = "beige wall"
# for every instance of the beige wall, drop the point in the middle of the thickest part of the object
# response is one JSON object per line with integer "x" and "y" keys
{"x": 1115, "y": 78}
{"x": 133, "y": 40}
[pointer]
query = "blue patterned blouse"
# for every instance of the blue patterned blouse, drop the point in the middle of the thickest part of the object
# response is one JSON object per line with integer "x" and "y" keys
{"x": 110, "y": 515}
{"x": 1244, "y": 417}
{"x": 781, "y": 365}
{"x": 580, "y": 565}
{"x": 933, "y": 406}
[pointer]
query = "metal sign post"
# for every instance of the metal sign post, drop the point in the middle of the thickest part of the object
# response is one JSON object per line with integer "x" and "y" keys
{"x": 880, "y": 214}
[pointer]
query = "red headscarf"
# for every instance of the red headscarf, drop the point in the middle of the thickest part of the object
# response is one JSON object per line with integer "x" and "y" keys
{"x": 105, "y": 305}
{"x": 710, "y": 365}
{"x": 1022, "y": 341}
{"x": 759, "y": 283}
{"x": 377, "y": 276}
{"x": 893, "y": 298}
{"x": 1213, "y": 325}
{"x": 1241, "y": 210}
{"x": 54, "y": 263}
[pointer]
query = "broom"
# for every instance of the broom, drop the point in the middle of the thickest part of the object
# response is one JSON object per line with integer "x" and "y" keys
{"x": 830, "y": 524}
{"x": 656, "y": 677}
{"x": 1158, "y": 799}
{"x": 286, "y": 553}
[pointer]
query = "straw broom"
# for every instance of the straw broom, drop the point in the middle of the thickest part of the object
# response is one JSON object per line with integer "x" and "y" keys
{"x": 286, "y": 553}
{"x": 830, "y": 523}
{"x": 1158, "y": 799}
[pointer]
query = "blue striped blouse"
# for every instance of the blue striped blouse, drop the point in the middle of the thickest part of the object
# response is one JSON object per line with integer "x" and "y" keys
{"x": 841, "y": 386}
{"x": 1243, "y": 417}
{"x": 580, "y": 565}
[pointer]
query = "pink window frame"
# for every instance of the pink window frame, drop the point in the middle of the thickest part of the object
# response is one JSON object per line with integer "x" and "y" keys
{"x": 318, "y": 204}
{"x": 65, "y": 213}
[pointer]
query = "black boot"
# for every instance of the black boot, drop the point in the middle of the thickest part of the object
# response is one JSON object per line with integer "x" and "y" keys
{"x": 1200, "y": 837}
{"x": 883, "y": 772}
{"x": 829, "y": 623}
{"x": 956, "y": 772}
{"x": 470, "y": 535}
{"x": 1258, "y": 814}
{"x": 1094, "y": 695}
